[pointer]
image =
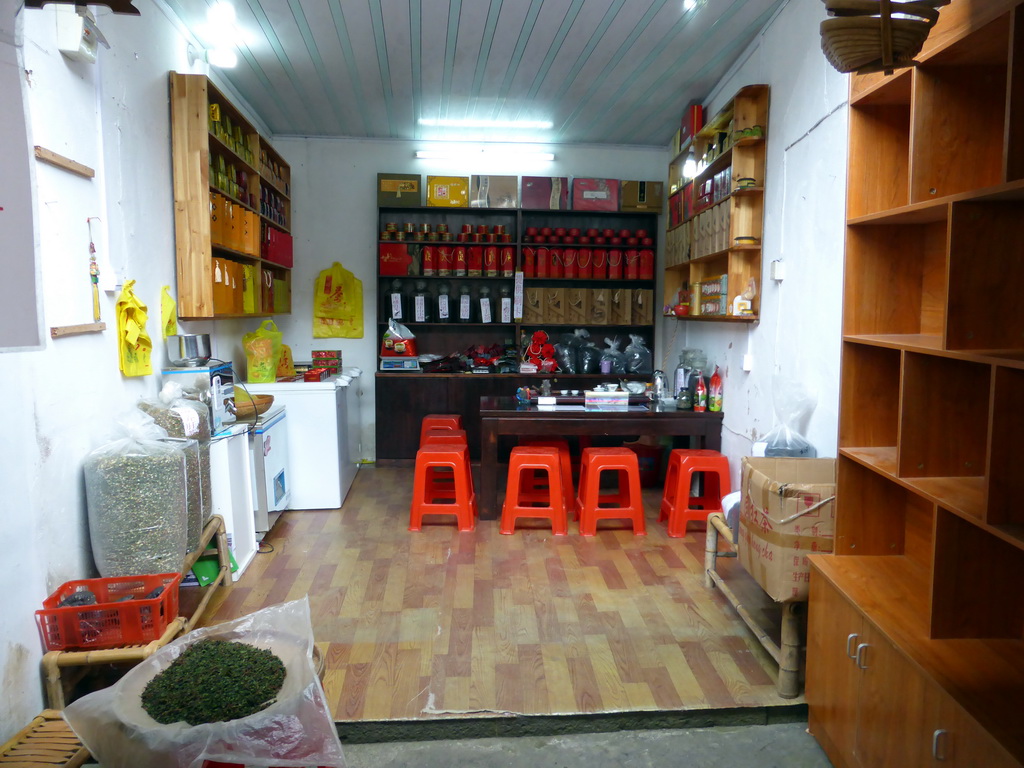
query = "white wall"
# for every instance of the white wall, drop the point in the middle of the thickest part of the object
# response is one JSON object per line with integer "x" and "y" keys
{"x": 798, "y": 335}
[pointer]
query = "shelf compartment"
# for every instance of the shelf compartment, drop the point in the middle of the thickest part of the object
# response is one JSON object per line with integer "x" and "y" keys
{"x": 895, "y": 279}
{"x": 973, "y": 597}
{"x": 1006, "y": 486}
{"x": 939, "y": 434}
{"x": 879, "y": 158}
{"x": 869, "y": 409}
{"x": 877, "y": 516}
{"x": 959, "y": 116}
{"x": 985, "y": 273}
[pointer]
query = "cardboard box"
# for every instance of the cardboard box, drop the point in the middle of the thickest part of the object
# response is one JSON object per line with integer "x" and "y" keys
{"x": 641, "y": 196}
{"x": 787, "y": 512}
{"x": 599, "y": 306}
{"x": 595, "y": 194}
{"x": 577, "y": 305}
{"x": 554, "y": 305}
{"x": 643, "y": 306}
{"x": 399, "y": 189}
{"x": 494, "y": 192}
{"x": 398, "y": 259}
{"x": 546, "y": 192}
{"x": 448, "y": 191}
{"x": 533, "y": 305}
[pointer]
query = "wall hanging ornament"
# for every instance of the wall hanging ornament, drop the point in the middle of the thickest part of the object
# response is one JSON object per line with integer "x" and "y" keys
{"x": 876, "y": 35}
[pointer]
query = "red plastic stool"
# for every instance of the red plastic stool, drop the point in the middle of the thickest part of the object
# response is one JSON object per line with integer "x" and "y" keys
{"x": 626, "y": 503}
{"x": 548, "y": 502}
{"x": 677, "y": 506}
{"x": 532, "y": 483}
{"x": 435, "y": 436}
{"x": 452, "y": 496}
{"x": 439, "y": 421}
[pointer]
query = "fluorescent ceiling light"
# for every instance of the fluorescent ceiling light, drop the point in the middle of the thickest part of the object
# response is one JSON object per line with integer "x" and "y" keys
{"x": 456, "y": 153}
{"x": 540, "y": 125}
{"x": 689, "y": 5}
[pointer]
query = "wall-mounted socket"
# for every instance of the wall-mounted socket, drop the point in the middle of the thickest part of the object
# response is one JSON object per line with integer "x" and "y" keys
{"x": 777, "y": 270}
{"x": 748, "y": 362}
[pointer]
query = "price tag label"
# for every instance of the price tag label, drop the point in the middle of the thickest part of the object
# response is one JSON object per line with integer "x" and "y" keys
{"x": 420, "y": 309}
{"x": 464, "y": 307}
{"x": 506, "y": 309}
{"x": 396, "y": 306}
{"x": 443, "y": 311}
{"x": 485, "y": 310}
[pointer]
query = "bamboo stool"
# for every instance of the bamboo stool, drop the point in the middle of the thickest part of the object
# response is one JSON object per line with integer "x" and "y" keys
{"x": 789, "y": 654}
{"x": 46, "y": 742}
{"x": 54, "y": 661}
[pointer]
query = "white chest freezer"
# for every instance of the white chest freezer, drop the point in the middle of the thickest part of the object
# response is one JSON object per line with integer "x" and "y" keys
{"x": 323, "y": 437}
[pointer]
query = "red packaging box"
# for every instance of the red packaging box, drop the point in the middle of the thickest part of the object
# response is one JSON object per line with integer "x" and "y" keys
{"x": 276, "y": 247}
{"x": 394, "y": 259}
{"x": 316, "y": 374}
{"x": 693, "y": 121}
{"x": 595, "y": 194}
{"x": 545, "y": 192}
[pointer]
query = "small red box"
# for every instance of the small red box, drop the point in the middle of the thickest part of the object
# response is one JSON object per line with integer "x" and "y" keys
{"x": 545, "y": 192}
{"x": 595, "y": 194}
{"x": 122, "y": 614}
{"x": 394, "y": 259}
{"x": 277, "y": 247}
{"x": 316, "y": 374}
{"x": 693, "y": 121}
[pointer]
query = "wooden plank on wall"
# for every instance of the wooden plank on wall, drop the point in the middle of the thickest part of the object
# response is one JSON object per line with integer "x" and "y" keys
{"x": 51, "y": 157}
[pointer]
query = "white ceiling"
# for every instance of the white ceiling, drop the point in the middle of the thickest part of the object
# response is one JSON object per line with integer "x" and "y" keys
{"x": 602, "y": 71}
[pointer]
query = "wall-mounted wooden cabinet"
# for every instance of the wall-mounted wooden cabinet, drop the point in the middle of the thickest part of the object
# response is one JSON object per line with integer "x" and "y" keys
{"x": 715, "y": 227}
{"x": 929, "y": 548}
{"x": 232, "y": 208}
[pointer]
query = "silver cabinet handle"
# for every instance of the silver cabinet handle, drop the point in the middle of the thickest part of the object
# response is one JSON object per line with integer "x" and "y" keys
{"x": 859, "y": 658}
{"x": 850, "y": 640}
{"x": 939, "y": 739}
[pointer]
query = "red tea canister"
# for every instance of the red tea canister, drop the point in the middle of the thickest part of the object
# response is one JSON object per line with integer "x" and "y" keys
{"x": 615, "y": 259}
{"x": 508, "y": 261}
{"x": 446, "y": 258}
{"x": 475, "y": 261}
{"x": 529, "y": 261}
{"x": 570, "y": 267}
{"x": 543, "y": 261}
{"x": 599, "y": 270}
{"x": 429, "y": 259}
{"x": 491, "y": 260}
{"x": 556, "y": 268}
{"x": 584, "y": 259}
{"x": 646, "y": 259}
{"x": 632, "y": 259}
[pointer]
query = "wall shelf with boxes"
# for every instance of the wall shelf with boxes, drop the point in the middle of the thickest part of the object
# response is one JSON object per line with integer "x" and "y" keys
{"x": 715, "y": 224}
{"x": 232, "y": 208}
{"x": 477, "y": 249}
{"x": 929, "y": 547}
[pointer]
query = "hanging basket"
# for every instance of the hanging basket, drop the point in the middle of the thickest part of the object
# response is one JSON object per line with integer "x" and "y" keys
{"x": 876, "y": 35}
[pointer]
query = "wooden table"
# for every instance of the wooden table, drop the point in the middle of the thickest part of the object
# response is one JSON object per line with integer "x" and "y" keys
{"x": 506, "y": 416}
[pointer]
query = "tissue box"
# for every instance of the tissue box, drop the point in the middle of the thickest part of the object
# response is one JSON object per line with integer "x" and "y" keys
{"x": 605, "y": 401}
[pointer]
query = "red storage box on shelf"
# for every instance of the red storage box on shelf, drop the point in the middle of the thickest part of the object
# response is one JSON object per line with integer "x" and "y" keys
{"x": 277, "y": 247}
{"x": 122, "y": 614}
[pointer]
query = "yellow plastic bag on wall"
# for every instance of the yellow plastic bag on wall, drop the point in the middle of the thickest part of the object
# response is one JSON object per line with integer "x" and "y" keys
{"x": 168, "y": 312}
{"x": 262, "y": 352}
{"x": 337, "y": 304}
{"x": 134, "y": 347}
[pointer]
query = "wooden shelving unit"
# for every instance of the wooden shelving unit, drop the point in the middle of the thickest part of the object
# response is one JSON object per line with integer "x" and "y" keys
{"x": 703, "y": 246}
{"x": 423, "y": 393}
{"x": 231, "y": 197}
{"x": 918, "y": 616}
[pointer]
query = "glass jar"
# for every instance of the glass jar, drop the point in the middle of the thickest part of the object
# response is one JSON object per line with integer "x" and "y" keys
{"x": 422, "y": 305}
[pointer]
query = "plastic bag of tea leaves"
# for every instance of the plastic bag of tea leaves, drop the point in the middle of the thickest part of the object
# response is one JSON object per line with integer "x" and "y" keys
{"x": 189, "y": 420}
{"x": 136, "y": 498}
{"x": 295, "y": 729}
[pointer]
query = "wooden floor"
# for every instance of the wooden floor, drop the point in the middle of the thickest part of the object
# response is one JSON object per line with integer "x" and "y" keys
{"x": 441, "y": 623}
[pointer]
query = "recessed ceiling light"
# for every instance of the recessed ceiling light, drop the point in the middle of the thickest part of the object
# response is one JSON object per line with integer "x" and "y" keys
{"x": 474, "y": 123}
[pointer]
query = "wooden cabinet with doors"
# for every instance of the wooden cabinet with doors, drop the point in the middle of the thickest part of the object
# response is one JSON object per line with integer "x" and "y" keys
{"x": 232, "y": 209}
{"x": 716, "y": 229}
{"x": 929, "y": 542}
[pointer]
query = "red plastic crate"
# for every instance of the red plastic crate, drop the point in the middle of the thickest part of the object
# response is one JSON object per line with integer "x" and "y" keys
{"x": 109, "y": 623}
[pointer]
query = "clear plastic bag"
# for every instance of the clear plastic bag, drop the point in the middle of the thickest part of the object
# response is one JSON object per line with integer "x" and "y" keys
{"x": 638, "y": 356}
{"x": 296, "y": 730}
{"x": 190, "y": 420}
{"x": 793, "y": 405}
{"x": 614, "y": 355}
{"x": 136, "y": 497}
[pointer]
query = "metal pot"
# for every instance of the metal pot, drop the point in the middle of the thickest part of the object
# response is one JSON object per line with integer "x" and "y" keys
{"x": 193, "y": 350}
